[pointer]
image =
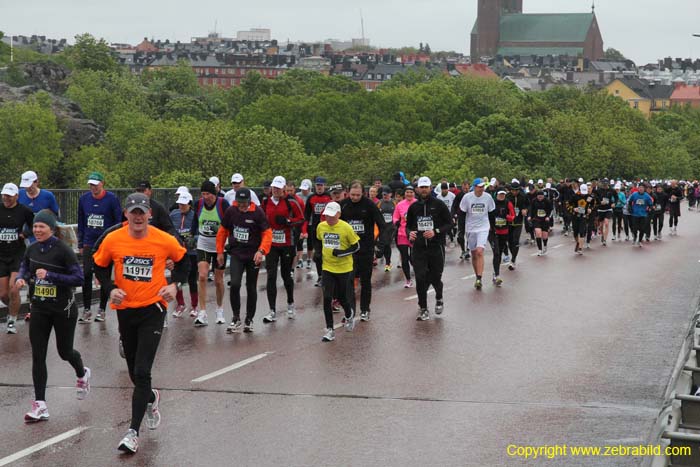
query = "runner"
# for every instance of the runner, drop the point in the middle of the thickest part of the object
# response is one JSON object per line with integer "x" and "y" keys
{"x": 337, "y": 242}
{"x": 183, "y": 218}
{"x": 386, "y": 208}
{"x": 402, "y": 241}
{"x": 249, "y": 236}
{"x": 477, "y": 205}
{"x": 208, "y": 215}
{"x": 500, "y": 219}
{"x": 98, "y": 210}
{"x": 448, "y": 198}
{"x": 140, "y": 294}
{"x": 581, "y": 207}
{"x": 53, "y": 268}
{"x": 539, "y": 213}
{"x": 675, "y": 195}
{"x": 660, "y": 199}
{"x": 520, "y": 203}
{"x": 300, "y": 232}
{"x": 15, "y": 221}
{"x": 34, "y": 197}
{"x": 363, "y": 216}
{"x": 459, "y": 218}
{"x": 238, "y": 182}
{"x": 605, "y": 200}
{"x": 313, "y": 210}
{"x": 620, "y": 201}
{"x": 640, "y": 204}
{"x": 284, "y": 213}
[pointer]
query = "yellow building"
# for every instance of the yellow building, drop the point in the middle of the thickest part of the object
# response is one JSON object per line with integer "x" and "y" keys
{"x": 648, "y": 98}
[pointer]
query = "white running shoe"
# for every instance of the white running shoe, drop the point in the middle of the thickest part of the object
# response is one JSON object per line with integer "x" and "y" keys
{"x": 202, "y": 319}
{"x": 220, "y": 317}
{"x": 38, "y": 413}
{"x": 271, "y": 317}
{"x": 291, "y": 311}
{"x": 329, "y": 335}
{"x": 194, "y": 312}
{"x": 82, "y": 386}
{"x": 130, "y": 442}
{"x": 152, "y": 412}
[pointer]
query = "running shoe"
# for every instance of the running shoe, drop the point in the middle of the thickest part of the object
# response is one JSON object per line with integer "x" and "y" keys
{"x": 540, "y": 253}
{"x": 291, "y": 311}
{"x": 478, "y": 284}
{"x": 511, "y": 267}
{"x": 121, "y": 349}
{"x": 308, "y": 264}
{"x": 408, "y": 284}
{"x": 506, "y": 258}
{"x": 350, "y": 321}
{"x": 235, "y": 326}
{"x": 627, "y": 238}
{"x": 100, "y": 316}
{"x": 210, "y": 277}
{"x": 179, "y": 310}
{"x": 319, "y": 283}
{"x": 38, "y": 413}
{"x": 497, "y": 281}
{"x": 300, "y": 264}
{"x": 423, "y": 315}
{"x": 439, "y": 307}
{"x": 82, "y": 386}
{"x": 85, "y": 316}
{"x": 364, "y": 316}
{"x": 152, "y": 412}
{"x": 544, "y": 250}
{"x": 336, "y": 306}
{"x": 329, "y": 335}
{"x": 271, "y": 317}
{"x": 165, "y": 321}
{"x": 248, "y": 327}
{"x": 10, "y": 327}
{"x": 387, "y": 268}
{"x": 202, "y": 319}
{"x": 220, "y": 317}
{"x": 27, "y": 316}
{"x": 194, "y": 312}
{"x": 130, "y": 442}
{"x": 614, "y": 238}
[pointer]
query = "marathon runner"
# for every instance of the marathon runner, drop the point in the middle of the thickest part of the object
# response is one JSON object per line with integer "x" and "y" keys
{"x": 313, "y": 210}
{"x": 402, "y": 241}
{"x": 539, "y": 215}
{"x": 660, "y": 199}
{"x": 675, "y": 195}
{"x": 581, "y": 207}
{"x": 605, "y": 199}
{"x": 499, "y": 219}
{"x": 477, "y": 206}
{"x": 640, "y": 204}
{"x": 183, "y": 218}
{"x": 459, "y": 218}
{"x": 386, "y": 208}
{"x": 238, "y": 182}
{"x": 618, "y": 213}
{"x": 521, "y": 203}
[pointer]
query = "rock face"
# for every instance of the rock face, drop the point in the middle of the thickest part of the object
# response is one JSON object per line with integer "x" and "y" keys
{"x": 77, "y": 130}
{"x": 47, "y": 76}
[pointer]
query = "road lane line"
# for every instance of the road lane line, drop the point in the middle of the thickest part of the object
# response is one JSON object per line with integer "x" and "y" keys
{"x": 235, "y": 366}
{"x": 339, "y": 325}
{"x": 39, "y": 446}
{"x": 557, "y": 246}
{"x": 472, "y": 276}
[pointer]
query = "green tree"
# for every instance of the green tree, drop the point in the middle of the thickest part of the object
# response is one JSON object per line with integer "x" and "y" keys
{"x": 89, "y": 53}
{"x": 613, "y": 54}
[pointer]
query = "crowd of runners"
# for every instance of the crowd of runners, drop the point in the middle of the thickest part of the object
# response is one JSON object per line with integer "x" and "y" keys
{"x": 145, "y": 255}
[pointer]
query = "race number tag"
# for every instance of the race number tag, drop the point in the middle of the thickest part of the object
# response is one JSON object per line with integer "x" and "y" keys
{"x": 605, "y": 201}
{"x": 331, "y": 241}
{"x": 209, "y": 228}
{"x": 241, "y": 234}
{"x": 500, "y": 222}
{"x": 138, "y": 268}
{"x": 279, "y": 236}
{"x": 581, "y": 210}
{"x": 517, "y": 212}
{"x": 388, "y": 217}
{"x": 358, "y": 226}
{"x": 657, "y": 207}
{"x": 478, "y": 208}
{"x": 96, "y": 221}
{"x": 541, "y": 213}
{"x": 8, "y": 235}
{"x": 425, "y": 223}
{"x": 674, "y": 198}
{"x": 44, "y": 290}
{"x": 319, "y": 207}
{"x": 640, "y": 202}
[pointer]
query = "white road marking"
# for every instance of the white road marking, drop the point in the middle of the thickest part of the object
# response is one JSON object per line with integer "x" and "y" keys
{"x": 39, "y": 446}
{"x": 235, "y": 366}
{"x": 465, "y": 278}
{"x": 338, "y": 326}
{"x": 557, "y": 246}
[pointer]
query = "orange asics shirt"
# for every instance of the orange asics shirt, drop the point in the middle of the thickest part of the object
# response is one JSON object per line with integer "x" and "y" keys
{"x": 139, "y": 264}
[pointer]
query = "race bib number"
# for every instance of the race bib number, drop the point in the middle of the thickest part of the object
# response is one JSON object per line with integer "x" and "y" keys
{"x": 209, "y": 228}
{"x": 581, "y": 210}
{"x": 657, "y": 207}
{"x": 9, "y": 235}
{"x": 500, "y": 222}
{"x": 640, "y": 202}
{"x": 138, "y": 269}
{"x": 319, "y": 207}
{"x": 388, "y": 217}
{"x": 44, "y": 290}
{"x": 241, "y": 234}
{"x": 358, "y": 226}
{"x": 425, "y": 224}
{"x": 279, "y": 236}
{"x": 605, "y": 201}
{"x": 331, "y": 241}
{"x": 478, "y": 208}
{"x": 517, "y": 212}
{"x": 96, "y": 221}
{"x": 541, "y": 213}
{"x": 674, "y": 198}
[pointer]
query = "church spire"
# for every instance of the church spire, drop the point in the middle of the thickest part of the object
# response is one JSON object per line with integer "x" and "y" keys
{"x": 593, "y": 7}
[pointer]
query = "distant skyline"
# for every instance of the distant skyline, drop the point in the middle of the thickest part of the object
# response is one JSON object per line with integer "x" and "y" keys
{"x": 643, "y": 30}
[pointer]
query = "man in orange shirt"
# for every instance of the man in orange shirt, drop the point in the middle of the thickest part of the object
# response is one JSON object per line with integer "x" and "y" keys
{"x": 140, "y": 293}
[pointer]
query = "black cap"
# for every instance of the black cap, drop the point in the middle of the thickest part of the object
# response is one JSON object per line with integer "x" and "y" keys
{"x": 408, "y": 187}
{"x": 143, "y": 185}
{"x": 267, "y": 184}
{"x": 540, "y": 193}
{"x": 335, "y": 187}
{"x": 243, "y": 194}
{"x": 515, "y": 185}
{"x": 208, "y": 187}
{"x": 444, "y": 186}
{"x": 137, "y": 201}
{"x": 386, "y": 189}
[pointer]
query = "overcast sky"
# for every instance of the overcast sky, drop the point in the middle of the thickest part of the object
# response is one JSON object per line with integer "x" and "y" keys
{"x": 644, "y": 30}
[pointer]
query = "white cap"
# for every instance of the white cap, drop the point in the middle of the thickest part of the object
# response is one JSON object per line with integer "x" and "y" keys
{"x": 540, "y": 181}
{"x": 184, "y": 198}
{"x": 278, "y": 182}
{"x": 618, "y": 186}
{"x": 548, "y": 186}
{"x": 515, "y": 180}
{"x": 305, "y": 185}
{"x": 215, "y": 180}
{"x": 493, "y": 181}
{"x": 580, "y": 180}
{"x": 584, "y": 189}
{"x": 331, "y": 209}
{"x": 182, "y": 189}
{"x": 531, "y": 182}
{"x": 10, "y": 189}
{"x": 424, "y": 181}
{"x": 236, "y": 178}
{"x": 28, "y": 178}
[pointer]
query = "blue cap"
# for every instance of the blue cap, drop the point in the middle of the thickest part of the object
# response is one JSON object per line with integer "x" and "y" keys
{"x": 320, "y": 181}
{"x": 478, "y": 182}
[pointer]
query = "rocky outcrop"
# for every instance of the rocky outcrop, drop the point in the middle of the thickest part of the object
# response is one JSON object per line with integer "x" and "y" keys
{"x": 48, "y": 76}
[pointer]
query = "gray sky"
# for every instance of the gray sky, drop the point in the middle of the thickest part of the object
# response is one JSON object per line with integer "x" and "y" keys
{"x": 644, "y": 30}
